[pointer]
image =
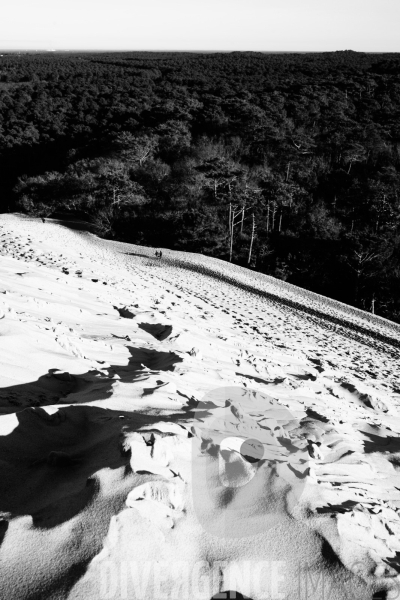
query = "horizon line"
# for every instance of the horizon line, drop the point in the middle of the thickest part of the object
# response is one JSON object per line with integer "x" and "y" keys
{"x": 199, "y": 51}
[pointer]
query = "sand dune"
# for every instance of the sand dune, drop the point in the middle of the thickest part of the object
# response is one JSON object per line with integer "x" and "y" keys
{"x": 179, "y": 428}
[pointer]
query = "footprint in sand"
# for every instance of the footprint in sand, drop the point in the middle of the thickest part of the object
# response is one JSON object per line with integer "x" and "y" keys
{"x": 146, "y": 457}
{"x": 158, "y": 501}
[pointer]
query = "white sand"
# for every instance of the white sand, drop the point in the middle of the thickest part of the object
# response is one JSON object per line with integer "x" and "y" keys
{"x": 128, "y": 389}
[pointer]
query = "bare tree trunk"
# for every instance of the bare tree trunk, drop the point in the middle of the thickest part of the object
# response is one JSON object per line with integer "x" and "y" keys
{"x": 273, "y": 216}
{"x": 241, "y": 224}
{"x": 268, "y": 218}
{"x": 252, "y": 239}
{"x": 287, "y": 171}
{"x": 280, "y": 221}
{"x": 230, "y": 217}
{"x": 232, "y": 228}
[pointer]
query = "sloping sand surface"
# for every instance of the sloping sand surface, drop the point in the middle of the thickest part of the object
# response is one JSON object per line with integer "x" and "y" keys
{"x": 175, "y": 428}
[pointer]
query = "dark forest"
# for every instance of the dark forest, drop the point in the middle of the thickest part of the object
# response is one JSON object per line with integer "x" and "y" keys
{"x": 165, "y": 149}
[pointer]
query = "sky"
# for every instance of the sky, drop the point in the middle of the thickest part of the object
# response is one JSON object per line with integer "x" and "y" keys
{"x": 226, "y": 25}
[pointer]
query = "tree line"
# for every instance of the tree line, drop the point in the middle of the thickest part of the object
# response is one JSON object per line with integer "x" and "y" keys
{"x": 286, "y": 163}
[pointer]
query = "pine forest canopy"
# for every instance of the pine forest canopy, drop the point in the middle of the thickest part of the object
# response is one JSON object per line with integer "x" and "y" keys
{"x": 295, "y": 157}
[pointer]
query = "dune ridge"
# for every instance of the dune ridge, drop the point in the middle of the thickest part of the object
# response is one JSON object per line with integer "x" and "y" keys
{"x": 167, "y": 424}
